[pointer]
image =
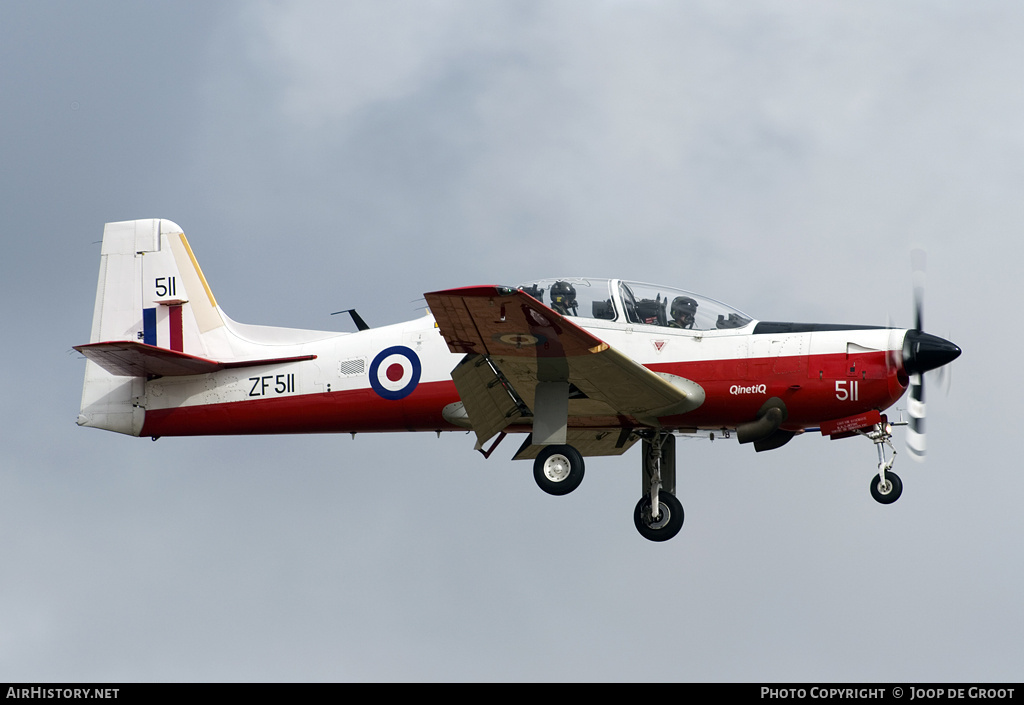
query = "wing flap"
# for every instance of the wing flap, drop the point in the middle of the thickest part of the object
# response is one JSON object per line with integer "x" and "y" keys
{"x": 127, "y": 358}
{"x": 490, "y": 404}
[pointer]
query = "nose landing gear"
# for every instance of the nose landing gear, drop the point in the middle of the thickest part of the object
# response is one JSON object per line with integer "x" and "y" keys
{"x": 886, "y": 486}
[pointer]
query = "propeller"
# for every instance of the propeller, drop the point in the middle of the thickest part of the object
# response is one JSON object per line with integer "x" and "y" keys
{"x": 921, "y": 352}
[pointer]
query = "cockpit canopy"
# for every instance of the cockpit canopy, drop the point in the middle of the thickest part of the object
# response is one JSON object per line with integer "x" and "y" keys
{"x": 634, "y": 302}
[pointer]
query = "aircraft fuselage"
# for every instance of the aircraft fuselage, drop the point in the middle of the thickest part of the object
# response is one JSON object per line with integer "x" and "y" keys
{"x": 352, "y": 386}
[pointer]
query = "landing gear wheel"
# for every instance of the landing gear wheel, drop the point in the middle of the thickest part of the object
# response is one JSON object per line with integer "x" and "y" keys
{"x": 558, "y": 469}
{"x": 666, "y": 525}
{"x": 889, "y": 491}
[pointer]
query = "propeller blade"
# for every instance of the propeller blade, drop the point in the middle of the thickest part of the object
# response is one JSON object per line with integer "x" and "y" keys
{"x": 915, "y": 440}
{"x": 945, "y": 375}
{"x": 921, "y": 353}
{"x": 890, "y": 356}
{"x": 916, "y": 409}
{"x": 918, "y": 261}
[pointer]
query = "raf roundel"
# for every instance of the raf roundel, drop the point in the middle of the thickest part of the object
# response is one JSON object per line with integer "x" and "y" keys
{"x": 395, "y": 372}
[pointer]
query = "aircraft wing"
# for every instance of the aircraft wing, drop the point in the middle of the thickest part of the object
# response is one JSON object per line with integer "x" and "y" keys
{"x": 130, "y": 359}
{"x": 529, "y": 344}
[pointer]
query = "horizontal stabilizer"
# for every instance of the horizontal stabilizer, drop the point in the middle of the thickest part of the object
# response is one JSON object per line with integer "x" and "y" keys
{"x": 130, "y": 359}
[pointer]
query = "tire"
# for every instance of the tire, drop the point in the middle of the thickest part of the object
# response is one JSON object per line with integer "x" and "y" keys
{"x": 890, "y": 492}
{"x": 669, "y": 522}
{"x": 558, "y": 469}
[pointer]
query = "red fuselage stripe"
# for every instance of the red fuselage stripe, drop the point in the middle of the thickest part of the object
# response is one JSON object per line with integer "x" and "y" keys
{"x": 815, "y": 388}
{"x": 360, "y": 410}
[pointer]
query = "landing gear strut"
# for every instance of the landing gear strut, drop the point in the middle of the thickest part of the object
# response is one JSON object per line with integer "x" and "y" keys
{"x": 886, "y": 486}
{"x": 659, "y": 515}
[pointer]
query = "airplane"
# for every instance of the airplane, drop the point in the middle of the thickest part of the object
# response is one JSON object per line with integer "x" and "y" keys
{"x": 581, "y": 367}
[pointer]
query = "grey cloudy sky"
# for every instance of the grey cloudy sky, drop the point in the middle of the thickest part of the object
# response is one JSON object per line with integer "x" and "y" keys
{"x": 783, "y": 157}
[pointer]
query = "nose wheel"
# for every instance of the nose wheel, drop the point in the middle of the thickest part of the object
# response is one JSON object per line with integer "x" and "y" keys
{"x": 887, "y": 489}
{"x": 886, "y": 486}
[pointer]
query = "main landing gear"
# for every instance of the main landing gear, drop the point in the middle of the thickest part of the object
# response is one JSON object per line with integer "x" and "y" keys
{"x": 886, "y": 486}
{"x": 558, "y": 470}
{"x": 658, "y": 515}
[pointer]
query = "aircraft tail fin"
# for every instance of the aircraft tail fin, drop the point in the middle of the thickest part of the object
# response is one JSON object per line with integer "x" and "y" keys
{"x": 151, "y": 292}
{"x": 151, "y": 288}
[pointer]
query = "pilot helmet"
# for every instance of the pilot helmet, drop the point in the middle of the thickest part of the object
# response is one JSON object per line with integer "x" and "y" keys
{"x": 563, "y": 294}
{"x": 683, "y": 307}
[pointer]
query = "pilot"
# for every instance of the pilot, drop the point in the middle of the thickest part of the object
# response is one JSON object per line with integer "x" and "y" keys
{"x": 683, "y": 311}
{"x": 563, "y": 298}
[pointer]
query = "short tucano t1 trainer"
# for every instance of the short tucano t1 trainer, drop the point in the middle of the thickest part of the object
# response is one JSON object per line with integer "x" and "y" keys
{"x": 581, "y": 367}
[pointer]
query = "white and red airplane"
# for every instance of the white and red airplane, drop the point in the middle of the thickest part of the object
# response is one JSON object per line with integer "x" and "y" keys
{"x": 583, "y": 367}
